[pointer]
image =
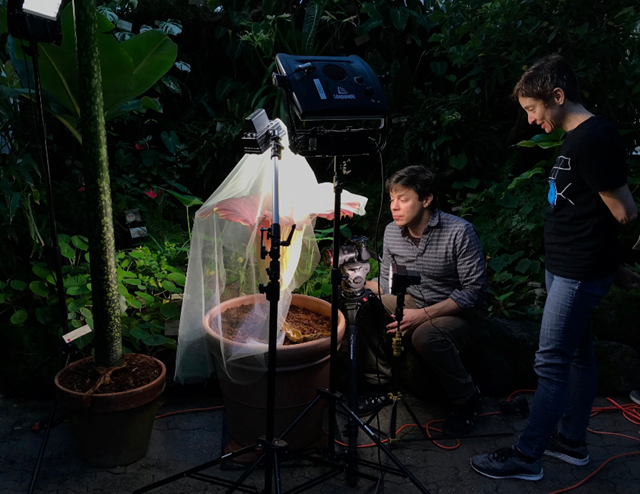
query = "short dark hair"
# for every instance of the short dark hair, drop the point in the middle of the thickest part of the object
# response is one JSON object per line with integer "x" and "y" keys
{"x": 417, "y": 177}
{"x": 548, "y": 73}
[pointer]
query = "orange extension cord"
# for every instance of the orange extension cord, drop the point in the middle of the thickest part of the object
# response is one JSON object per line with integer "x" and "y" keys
{"x": 631, "y": 412}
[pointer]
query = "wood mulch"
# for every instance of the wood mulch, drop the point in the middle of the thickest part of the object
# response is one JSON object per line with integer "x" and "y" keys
{"x": 237, "y": 323}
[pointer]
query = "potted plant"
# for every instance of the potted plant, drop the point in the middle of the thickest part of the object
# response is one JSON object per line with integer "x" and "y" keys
{"x": 300, "y": 369}
{"x": 226, "y": 267}
{"x": 111, "y": 398}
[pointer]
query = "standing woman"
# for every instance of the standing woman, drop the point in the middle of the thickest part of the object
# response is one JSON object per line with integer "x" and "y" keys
{"x": 589, "y": 203}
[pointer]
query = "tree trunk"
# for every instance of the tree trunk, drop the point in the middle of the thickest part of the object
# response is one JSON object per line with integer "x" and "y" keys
{"x": 104, "y": 281}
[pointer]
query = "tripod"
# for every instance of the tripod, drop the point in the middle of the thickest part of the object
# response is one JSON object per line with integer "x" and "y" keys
{"x": 395, "y": 395}
{"x": 66, "y": 349}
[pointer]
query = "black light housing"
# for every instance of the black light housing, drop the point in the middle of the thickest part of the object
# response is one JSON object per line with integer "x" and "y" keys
{"x": 335, "y": 106}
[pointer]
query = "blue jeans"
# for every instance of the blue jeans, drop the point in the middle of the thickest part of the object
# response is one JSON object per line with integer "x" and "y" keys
{"x": 565, "y": 363}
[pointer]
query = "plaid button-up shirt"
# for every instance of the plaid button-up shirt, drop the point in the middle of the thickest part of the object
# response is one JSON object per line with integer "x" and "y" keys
{"x": 449, "y": 259}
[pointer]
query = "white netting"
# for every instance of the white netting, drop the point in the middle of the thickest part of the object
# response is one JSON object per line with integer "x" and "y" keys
{"x": 224, "y": 260}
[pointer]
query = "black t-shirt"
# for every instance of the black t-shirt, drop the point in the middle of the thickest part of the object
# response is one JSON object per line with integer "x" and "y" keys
{"x": 581, "y": 234}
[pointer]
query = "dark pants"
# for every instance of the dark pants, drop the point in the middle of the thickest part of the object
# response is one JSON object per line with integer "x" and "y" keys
{"x": 437, "y": 341}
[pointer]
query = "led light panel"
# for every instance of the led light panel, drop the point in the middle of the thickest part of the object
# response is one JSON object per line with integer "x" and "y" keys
{"x": 49, "y": 9}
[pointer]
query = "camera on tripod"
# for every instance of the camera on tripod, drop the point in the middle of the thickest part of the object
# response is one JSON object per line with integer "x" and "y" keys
{"x": 353, "y": 259}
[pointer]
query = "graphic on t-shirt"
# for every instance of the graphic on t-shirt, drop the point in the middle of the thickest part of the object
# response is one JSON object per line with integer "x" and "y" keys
{"x": 562, "y": 164}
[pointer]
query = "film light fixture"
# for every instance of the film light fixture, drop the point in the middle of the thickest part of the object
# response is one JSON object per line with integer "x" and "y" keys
{"x": 49, "y": 9}
{"x": 334, "y": 106}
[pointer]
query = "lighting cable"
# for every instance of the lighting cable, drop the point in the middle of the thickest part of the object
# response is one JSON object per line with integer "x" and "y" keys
{"x": 631, "y": 412}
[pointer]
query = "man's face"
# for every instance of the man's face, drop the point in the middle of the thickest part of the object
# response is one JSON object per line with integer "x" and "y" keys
{"x": 407, "y": 209}
{"x": 549, "y": 116}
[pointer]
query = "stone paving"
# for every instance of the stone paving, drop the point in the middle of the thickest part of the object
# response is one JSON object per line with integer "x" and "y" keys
{"x": 186, "y": 440}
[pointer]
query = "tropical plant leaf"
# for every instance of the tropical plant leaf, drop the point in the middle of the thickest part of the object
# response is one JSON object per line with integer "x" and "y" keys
{"x": 177, "y": 278}
{"x": 141, "y": 334}
{"x": 399, "y": 17}
{"x": 155, "y": 340}
{"x": 312, "y": 15}
{"x": 170, "y": 311}
{"x": 18, "y": 285}
{"x": 19, "y": 317}
{"x": 187, "y": 200}
{"x": 145, "y": 296}
{"x": 75, "y": 305}
{"x": 170, "y": 287}
{"x": 67, "y": 251}
{"x": 78, "y": 290}
{"x": 75, "y": 281}
{"x": 80, "y": 242}
{"x": 39, "y": 288}
{"x": 40, "y": 271}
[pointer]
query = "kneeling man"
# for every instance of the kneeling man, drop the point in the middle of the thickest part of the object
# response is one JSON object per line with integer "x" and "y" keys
{"x": 442, "y": 313}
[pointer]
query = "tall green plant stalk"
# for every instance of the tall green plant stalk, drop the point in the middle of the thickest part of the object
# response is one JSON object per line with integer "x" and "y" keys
{"x": 104, "y": 282}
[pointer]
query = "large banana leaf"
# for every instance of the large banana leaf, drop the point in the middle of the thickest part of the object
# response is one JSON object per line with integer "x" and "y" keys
{"x": 128, "y": 69}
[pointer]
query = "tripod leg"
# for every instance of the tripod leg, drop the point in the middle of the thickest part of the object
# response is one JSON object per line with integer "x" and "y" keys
{"x": 276, "y": 472}
{"x": 393, "y": 421}
{"x": 300, "y": 417}
{"x": 385, "y": 450}
{"x": 268, "y": 471}
{"x": 246, "y": 474}
{"x": 43, "y": 446}
{"x": 422, "y": 428}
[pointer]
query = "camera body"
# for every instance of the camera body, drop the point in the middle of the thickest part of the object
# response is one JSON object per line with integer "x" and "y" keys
{"x": 402, "y": 278}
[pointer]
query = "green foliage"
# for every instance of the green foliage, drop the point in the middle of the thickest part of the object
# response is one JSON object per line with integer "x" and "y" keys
{"x": 128, "y": 70}
{"x": 150, "y": 283}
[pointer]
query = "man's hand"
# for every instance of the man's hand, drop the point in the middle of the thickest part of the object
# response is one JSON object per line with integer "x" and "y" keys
{"x": 625, "y": 278}
{"x": 411, "y": 319}
{"x": 372, "y": 285}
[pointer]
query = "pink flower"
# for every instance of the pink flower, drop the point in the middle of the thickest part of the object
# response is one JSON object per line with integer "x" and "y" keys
{"x": 81, "y": 189}
{"x": 151, "y": 194}
{"x": 141, "y": 145}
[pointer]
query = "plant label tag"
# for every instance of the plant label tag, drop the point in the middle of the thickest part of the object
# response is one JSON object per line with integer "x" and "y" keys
{"x": 138, "y": 232}
{"x": 637, "y": 246}
{"x": 76, "y": 333}
{"x": 132, "y": 215}
{"x": 171, "y": 328}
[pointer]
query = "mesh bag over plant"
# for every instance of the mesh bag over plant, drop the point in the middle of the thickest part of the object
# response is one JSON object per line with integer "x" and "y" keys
{"x": 225, "y": 263}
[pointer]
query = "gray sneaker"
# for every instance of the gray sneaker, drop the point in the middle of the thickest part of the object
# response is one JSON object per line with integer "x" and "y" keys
{"x": 507, "y": 463}
{"x": 572, "y": 452}
{"x": 635, "y": 396}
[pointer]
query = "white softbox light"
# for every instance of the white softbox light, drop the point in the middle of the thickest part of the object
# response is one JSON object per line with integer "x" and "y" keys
{"x": 49, "y": 9}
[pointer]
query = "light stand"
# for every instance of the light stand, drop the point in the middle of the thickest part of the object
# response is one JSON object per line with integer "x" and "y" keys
{"x": 396, "y": 396}
{"x": 33, "y": 29}
{"x": 271, "y": 447}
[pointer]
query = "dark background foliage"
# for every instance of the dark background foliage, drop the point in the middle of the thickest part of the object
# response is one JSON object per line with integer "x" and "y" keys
{"x": 452, "y": 66}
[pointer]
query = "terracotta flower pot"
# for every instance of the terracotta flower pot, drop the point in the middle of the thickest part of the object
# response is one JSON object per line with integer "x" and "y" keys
{"x": 115, "y": 429}
{"x": 300, "y": 370}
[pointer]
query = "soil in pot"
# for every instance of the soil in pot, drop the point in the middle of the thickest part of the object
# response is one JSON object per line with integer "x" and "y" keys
{"x": 138, "y": 371}
{"x": 301, "y": 324}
